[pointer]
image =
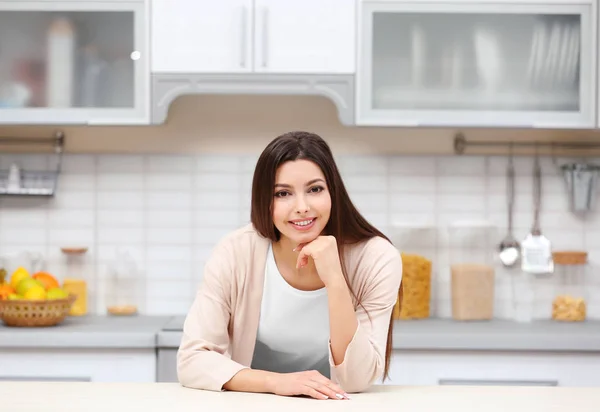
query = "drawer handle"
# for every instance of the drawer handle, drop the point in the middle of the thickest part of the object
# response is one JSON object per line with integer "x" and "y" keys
{"x": 493, "y": 382}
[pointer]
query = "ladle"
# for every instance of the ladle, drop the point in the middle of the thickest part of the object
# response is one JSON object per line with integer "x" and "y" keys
{"x": 510, "y": 249}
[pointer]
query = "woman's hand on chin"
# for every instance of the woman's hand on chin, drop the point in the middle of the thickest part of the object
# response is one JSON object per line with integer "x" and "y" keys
{"x": 324, "y": 253}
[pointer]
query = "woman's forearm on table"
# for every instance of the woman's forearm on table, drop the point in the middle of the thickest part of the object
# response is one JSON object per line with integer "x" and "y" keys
{"x": 251, "y": 380}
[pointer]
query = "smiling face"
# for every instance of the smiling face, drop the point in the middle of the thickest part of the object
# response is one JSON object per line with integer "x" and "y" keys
{"x": 301, "y": 202}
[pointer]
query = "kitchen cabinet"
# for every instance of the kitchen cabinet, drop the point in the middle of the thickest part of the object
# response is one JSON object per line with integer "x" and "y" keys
{"x": 477, "y": 63}
{"x": 421, "y": 367}
{"x": 195, "y": 36}
{"x": 74, "y": 62}
{"x": 94, "y": 365}
{"x": 253, "y": 36}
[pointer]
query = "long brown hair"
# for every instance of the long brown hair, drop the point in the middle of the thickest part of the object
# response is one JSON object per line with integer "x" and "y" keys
{"x": 346, "y": 223}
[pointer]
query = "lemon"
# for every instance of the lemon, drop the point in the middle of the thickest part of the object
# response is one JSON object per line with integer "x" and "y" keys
{"x": 19, "y": 274}
{"x": 56, "y": 293}
{"x": 35, "y": 293}
{"x": 27, "y": 283}
{"x": 14, "y": 296}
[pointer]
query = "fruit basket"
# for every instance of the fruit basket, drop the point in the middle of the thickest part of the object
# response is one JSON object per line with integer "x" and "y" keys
{"x": 31, "y": 313}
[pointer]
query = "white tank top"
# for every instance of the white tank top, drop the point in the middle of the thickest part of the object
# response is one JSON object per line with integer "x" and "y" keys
{"x": 293, "y": 331}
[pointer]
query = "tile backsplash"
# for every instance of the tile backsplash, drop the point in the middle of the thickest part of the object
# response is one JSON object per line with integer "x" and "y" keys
{"x": 170, "y": 210}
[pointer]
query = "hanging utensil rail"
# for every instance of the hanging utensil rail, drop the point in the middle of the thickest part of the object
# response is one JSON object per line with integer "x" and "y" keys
{"x": 461, "y": 144}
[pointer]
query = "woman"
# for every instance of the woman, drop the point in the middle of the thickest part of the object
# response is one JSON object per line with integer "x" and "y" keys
{"x": 300, "y": 301}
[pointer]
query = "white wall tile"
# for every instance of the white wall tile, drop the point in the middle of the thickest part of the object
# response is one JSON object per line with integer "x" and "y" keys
{"x": 206, "y": 200}
{"x": 362, "y": 165}
{"x": 73, "y": 200}
{"x": 169, "y": 219}
{"x": 169, "y": 182}
{"x": 60, "y": 218}
{"x": 120, "y": 200}
{"x": 218, "y": 163}
{"x": 366, "y": 184}
{"x": 461, "y": 165}
{"x": 413, "y": 166}
{"x": 120, "y": 181}
{"x": 218, "y": 182}
{"x": 170, "y": 211}
{"x": 22, "y": 235}
{"x": 119, "y": 218}
{"x": 120, "y": 235}
{"x": 120, "y": 164}
{"x": 71, "y": 237}
{"x": 216, "y": 218}
{"x": 78, "y": 164}
{"x": 169, "y": 236}
{"x": 412, "y": 184}
{"x": 23, "y": 218}
{"x": 168, "y": 253}
{"x": 73, "y": 182}
{"x": 169, "y": 164}
{"x": 168, "y": 200}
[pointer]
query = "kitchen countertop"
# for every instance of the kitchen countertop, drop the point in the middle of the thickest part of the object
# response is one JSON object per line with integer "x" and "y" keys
{"x": 102, "y": 397}
{"x": 428, "y": 334}
{"x": 447, "y": 334}
{"x": 88, "y": 332}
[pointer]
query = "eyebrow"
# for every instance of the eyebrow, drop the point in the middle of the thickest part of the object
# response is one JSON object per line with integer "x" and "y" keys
{"x": 307, "y": 184}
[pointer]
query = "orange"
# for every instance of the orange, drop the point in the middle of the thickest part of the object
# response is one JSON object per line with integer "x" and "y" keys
{"x": 46, "y": 279}
{"x": 5, "y": 291}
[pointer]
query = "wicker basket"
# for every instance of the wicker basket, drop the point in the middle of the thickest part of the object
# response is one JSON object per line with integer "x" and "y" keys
{"x": 29, "y": 313}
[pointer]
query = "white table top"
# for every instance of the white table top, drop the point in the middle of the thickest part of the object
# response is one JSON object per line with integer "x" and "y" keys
{"x": 171, "y": 397}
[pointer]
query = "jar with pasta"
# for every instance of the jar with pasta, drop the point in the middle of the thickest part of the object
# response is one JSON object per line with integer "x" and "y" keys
{"x": 570, "y": 299}
{"x": 472, "y": 272}
{"x": 416, "y": 244}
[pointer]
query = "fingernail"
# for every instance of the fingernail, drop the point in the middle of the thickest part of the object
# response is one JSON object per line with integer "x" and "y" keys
{"x": 347, "y": 396}
{"x": 339, "y": 396}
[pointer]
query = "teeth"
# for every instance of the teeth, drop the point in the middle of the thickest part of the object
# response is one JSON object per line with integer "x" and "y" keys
{"x": 304, "y": 222}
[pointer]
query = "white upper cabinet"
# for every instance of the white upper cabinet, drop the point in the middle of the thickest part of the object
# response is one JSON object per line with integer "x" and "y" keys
{"x": 74, "y": 62}
{"x": 309, "y": 36}
{"x": 239, "y": 36}
{"x": 199, "y": 36}
{"x": 477, "y": 64}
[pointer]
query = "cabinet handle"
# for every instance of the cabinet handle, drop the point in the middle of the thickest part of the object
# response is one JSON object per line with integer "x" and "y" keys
{"x": 265, "y": 36}
{"x": 243, "y": 42}
{"x": 492, "y": 382}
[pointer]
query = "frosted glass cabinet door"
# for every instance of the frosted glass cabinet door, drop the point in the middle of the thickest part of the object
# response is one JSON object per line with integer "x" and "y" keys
{"x": 476, "y": 64}
{"x": 73, "y": 62}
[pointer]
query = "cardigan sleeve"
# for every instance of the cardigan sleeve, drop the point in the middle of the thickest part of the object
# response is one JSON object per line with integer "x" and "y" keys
{"x": 364, "y": 359}
{"x": 203, "y": 358}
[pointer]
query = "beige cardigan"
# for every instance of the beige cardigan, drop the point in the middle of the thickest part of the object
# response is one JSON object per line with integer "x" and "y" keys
{"x": 220, "y": 329}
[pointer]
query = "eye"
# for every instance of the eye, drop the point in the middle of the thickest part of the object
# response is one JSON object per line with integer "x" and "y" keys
{"x": 316, "y": 189}
{"x": 282, "y": 193}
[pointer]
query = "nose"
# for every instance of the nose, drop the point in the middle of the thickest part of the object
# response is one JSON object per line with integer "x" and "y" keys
{"x": 301, "y": 205}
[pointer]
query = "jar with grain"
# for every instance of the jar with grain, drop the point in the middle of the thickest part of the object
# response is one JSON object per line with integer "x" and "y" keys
{"x": 570, "y": 300}
{"x": 472, "y": 273}
{"x": 416, "y": 244}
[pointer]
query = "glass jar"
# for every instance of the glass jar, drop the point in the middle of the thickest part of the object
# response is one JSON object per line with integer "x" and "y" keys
{"x": 570, "y": 300}
{"x": 416, "y": 244}
{"x": 125, "y": 288}
{"x": 472, "y": 273}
